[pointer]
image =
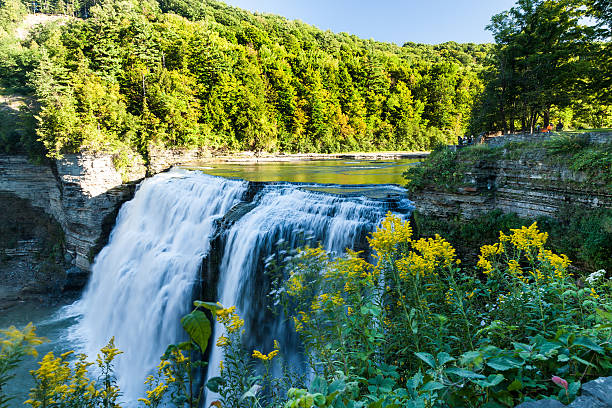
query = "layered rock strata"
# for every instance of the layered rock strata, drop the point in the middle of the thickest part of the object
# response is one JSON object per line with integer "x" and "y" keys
{"x": 530, "y": 186}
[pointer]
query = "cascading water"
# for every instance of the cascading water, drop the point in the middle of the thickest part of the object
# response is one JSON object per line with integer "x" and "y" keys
{"x": 281, "y": 213}
{"x": 143, "y": 280}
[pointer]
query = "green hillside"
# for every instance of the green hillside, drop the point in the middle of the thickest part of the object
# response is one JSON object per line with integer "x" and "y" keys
{"x": 121, "y": 75}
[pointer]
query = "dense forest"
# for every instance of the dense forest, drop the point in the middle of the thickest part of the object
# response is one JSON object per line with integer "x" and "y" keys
{"x": 123, "y": 75}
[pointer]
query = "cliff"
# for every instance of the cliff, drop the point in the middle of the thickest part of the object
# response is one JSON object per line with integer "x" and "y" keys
{"x": 81, "y": 192}
{"x": 516, "y": 175}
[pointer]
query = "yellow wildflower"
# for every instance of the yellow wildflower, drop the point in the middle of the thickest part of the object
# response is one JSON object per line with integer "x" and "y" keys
{"x": 393, "y": 231}
{"x": 264, "y": 357}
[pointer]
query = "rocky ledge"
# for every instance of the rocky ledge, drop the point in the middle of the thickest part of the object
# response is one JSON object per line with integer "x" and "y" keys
{"x": 595, "y": 394}
{"x": 529, "y": 185}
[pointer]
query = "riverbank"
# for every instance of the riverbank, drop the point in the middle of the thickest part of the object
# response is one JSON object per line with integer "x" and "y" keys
{"x": 252, "y": 157}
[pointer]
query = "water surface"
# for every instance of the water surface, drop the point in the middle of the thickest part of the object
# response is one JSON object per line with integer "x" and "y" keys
{"x": 351, "y": 172}
{"x": 52, "y": 323}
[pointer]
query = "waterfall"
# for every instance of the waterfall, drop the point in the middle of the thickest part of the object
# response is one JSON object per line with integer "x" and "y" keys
{"x": 143, "y": 280}
{"x": 283, "y": 212}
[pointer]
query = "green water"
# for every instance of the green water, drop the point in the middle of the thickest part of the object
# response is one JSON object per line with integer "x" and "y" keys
{"x": 347, "y": 172}
{"x": 50, "y": 323}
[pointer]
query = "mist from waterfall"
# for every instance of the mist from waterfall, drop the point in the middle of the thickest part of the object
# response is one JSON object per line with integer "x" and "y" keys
{"x": 143, "y": 280}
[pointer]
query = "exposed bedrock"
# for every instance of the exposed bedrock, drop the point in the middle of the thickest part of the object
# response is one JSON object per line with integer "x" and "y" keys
{"x": 530, "y": 186}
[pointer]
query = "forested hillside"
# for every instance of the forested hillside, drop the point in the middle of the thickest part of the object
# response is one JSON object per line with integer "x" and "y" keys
{"x": 122, "y": 74}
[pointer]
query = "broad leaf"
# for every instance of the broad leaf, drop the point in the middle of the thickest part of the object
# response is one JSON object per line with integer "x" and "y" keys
{"x": 197, "y": 325}
{"x": 428, "y": 358}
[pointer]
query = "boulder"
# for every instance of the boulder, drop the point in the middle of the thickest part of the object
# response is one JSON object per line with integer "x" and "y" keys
{"x": 600, "y": 389}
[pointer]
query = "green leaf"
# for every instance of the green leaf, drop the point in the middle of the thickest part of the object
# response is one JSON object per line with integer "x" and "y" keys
{"x": 213, "y": 307}
{"x": 444, "y": 358}
{"x": 461, "y": 372}
{"x": 336, "y": 386}
{"x": 589, "y": 344}
{"x": 573, "y": 388}
{"x": 197, "y": 325}
{"x": 580, "y": 360}
{"x": 502, "y": 363}
{"x": 472, "y": 357}
{"x": 318, "y": 385}
{"x": 604, "y": 314}
{"x": 319, "y": 399}
{"x": 515, "y": 385}
{"x": 491, "y": 380}
{"x": 185, "y": 346}
{"x": 251, "y": 393}
{"x": 215, "y": 383}
{"x": 432, "y": 386}
{"x": 428, "y": 358}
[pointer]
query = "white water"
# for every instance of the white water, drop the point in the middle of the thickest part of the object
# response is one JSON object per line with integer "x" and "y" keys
{"x": 143, "y": 280}
{"x": 283, "y": 212}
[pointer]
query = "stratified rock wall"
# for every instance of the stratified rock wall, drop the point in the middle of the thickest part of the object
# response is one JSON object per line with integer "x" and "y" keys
{"x": 81, "y": 192}
{"x": 528, "y": 186}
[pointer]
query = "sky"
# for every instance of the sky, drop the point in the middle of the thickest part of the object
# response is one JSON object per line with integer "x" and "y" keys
{"x": 398, "y": 21}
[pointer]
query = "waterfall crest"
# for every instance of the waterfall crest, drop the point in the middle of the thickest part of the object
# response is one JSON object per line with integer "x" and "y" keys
{"x": 143, "y": 280}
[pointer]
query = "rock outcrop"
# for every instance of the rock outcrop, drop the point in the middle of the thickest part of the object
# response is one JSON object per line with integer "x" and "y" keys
{"x": 530, "y": 186}
{"x": 81, "y": 192}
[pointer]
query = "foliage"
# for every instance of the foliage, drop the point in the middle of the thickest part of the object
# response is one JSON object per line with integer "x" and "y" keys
{"x": 415, "y": 329}
{"x": 409, "y": 327}
{"x": 129, "y": 75}
{"x": 246, "y": 379}
{"x": 59, "y": 385}
{"x": 585, "y": 235}
{"x": 441, "y": 169}
{"x": 549, "y": 64}
{"x": 14, "y": 345}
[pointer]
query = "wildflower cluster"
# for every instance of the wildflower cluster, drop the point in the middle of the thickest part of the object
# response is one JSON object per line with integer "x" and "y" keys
{"x": 267, "y": 357}
{"x": 63, "y": 383}
{"x": 393, "y": 233}
{"x": 230, "y": 319}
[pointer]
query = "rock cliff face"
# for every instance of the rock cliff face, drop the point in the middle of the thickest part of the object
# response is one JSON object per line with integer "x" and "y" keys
{"x": 81, "y": 192}
{"x": 529, "y": 186}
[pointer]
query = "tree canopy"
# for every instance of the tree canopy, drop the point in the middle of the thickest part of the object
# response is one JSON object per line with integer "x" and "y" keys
{"x": 123, "y": 75}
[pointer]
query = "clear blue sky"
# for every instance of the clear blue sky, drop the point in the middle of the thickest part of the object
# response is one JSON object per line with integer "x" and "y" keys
{"x": 398, "y": 21}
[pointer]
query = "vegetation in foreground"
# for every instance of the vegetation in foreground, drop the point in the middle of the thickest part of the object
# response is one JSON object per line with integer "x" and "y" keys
{"x": 413, "y": 328}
